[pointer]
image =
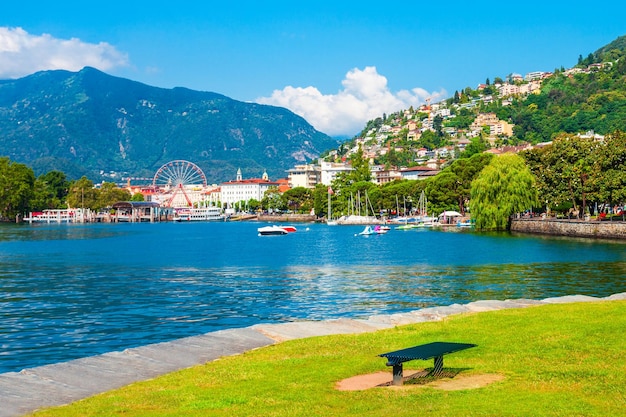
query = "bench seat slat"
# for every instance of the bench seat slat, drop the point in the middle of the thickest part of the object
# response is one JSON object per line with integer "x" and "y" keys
{"x": 424, "y": 352}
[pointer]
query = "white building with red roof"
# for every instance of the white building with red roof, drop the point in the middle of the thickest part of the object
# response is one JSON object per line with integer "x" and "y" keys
{"x": 245, "y": 190}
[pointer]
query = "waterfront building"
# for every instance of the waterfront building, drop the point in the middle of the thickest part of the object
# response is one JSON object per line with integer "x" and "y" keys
{"x": 233, "y": 192}
{"x": 307, "y": 176}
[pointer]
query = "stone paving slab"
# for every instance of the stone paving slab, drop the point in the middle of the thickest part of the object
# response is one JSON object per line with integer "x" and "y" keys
{"x": 304, "y": 329}
{"x": 526, "y": 302}
{"x": 492, "y": 305}
{"x": 571, "y": 299}
{"x": 62, "y": 383}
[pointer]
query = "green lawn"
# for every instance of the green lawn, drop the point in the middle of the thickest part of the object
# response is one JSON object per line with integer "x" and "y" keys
{"x": 557, "y": 360}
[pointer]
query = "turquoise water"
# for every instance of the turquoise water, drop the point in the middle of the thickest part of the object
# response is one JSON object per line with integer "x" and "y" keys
{"x": 69, "y": 291}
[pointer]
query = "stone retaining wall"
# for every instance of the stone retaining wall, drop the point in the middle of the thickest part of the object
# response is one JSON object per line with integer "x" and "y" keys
{"x": 287, "y": 218}
{"x": 577, "y": 228}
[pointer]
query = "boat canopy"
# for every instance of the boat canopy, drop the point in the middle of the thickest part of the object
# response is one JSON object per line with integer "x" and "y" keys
{"x": 450, "y": 213}
{"x": 135, "y": 204}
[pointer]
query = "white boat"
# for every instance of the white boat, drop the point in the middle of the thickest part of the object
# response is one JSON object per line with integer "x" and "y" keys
{"x": 55, "y": 216}
{"x": 275, "y": 230}
{"x": 197, "y": 214}
{"x": 381, "y": 230}
{"x": 356, "y": 219}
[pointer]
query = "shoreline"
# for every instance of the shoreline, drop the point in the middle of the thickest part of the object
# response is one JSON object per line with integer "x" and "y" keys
{"x": 66, "y": 382}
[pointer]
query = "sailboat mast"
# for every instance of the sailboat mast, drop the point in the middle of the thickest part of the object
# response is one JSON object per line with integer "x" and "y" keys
{"x": 329, "y": 208}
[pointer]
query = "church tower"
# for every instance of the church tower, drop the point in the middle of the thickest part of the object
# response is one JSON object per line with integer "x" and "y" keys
{"x": 239, "y": 174}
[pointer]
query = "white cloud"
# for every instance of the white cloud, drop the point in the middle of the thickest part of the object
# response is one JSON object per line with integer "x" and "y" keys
{"x": 22, "y": 53}
{"x": 365, "y": 96}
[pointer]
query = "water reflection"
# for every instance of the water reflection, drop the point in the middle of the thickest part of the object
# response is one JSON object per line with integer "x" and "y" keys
{"x": 73, "y": 291}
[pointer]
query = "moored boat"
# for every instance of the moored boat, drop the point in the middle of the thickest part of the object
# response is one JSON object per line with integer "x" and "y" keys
{"x": 198, "y": 214}
{"x": 275, "y": 230}
{"x": 56, "y": 216}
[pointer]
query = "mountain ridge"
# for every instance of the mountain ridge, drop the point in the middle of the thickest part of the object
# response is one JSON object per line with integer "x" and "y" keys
{"x": 91, "y": 123}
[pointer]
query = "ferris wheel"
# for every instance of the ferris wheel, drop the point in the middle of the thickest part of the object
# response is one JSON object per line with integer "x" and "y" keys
{"x": 174, "y": 176}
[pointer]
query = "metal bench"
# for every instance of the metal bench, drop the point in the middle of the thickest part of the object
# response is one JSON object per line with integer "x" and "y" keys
{"x": 428, "y": 351}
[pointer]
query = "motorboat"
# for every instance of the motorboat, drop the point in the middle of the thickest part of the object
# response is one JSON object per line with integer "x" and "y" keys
{"x": 275, "y": 230}
{"x": 409, "y": 226}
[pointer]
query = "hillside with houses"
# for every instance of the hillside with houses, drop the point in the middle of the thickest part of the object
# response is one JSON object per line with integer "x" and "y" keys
{"x": 418, "y": 143}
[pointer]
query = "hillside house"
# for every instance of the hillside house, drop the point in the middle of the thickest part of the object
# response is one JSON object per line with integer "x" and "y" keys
{"x": 380, "y": 175}
{"x": 418, "y": 173}
{"x": 307, "y": 176}
{"x": 330, "y": 170}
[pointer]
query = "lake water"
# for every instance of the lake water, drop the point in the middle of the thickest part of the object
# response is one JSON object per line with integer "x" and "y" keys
{"x": 69, "y": 291}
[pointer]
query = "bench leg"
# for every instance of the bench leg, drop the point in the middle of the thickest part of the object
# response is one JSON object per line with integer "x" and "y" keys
{"x": 438, "y": 367}
{"x": 397, "y": 374}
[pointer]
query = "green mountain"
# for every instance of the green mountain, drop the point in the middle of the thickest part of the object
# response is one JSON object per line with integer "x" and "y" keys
{"x": 90, "y": 123}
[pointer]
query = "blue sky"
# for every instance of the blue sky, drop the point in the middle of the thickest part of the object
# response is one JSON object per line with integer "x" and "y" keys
{"x": 338, "y": 65}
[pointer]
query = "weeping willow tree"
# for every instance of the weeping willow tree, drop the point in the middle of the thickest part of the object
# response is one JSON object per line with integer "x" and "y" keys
{"x": 504, "y": 187}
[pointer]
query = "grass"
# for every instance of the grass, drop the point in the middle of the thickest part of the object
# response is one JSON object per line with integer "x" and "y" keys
{"x": 557, "y": 360}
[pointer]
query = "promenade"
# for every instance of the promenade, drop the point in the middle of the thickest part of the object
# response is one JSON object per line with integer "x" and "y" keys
{"x": 62, "y": 383}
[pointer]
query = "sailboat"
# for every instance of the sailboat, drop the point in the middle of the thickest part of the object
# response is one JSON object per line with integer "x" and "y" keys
{"x": 358, "y": 218}
{"x": 422, "y": 211}
{"x": 406, "y": 225}
{"x": 329, "y": 218}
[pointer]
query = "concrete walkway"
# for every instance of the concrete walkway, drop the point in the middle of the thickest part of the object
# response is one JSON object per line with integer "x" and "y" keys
{"x": 62, "y": 383}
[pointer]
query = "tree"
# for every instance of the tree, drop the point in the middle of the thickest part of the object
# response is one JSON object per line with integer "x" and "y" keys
{"x": 442, "y": 191}
{"x": 476, "y": 146}
{"x": 450, "y": 189}
{"x": 360, "y": 167}
{"x": 82, "y": 194}
{"x": 466, "y": 170}
{"x": 608, "y": 173}
{"x": 110, "y": 194}
{"x": 438, "y": 127}
{"x": 17, "y": 182}
{"x": 298, "y": 199}
{"x": 564, "y": 169}
{"x": 504, "y": 187}
{"x": 50, "y": 191}
{"x": 272, "y": 200}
